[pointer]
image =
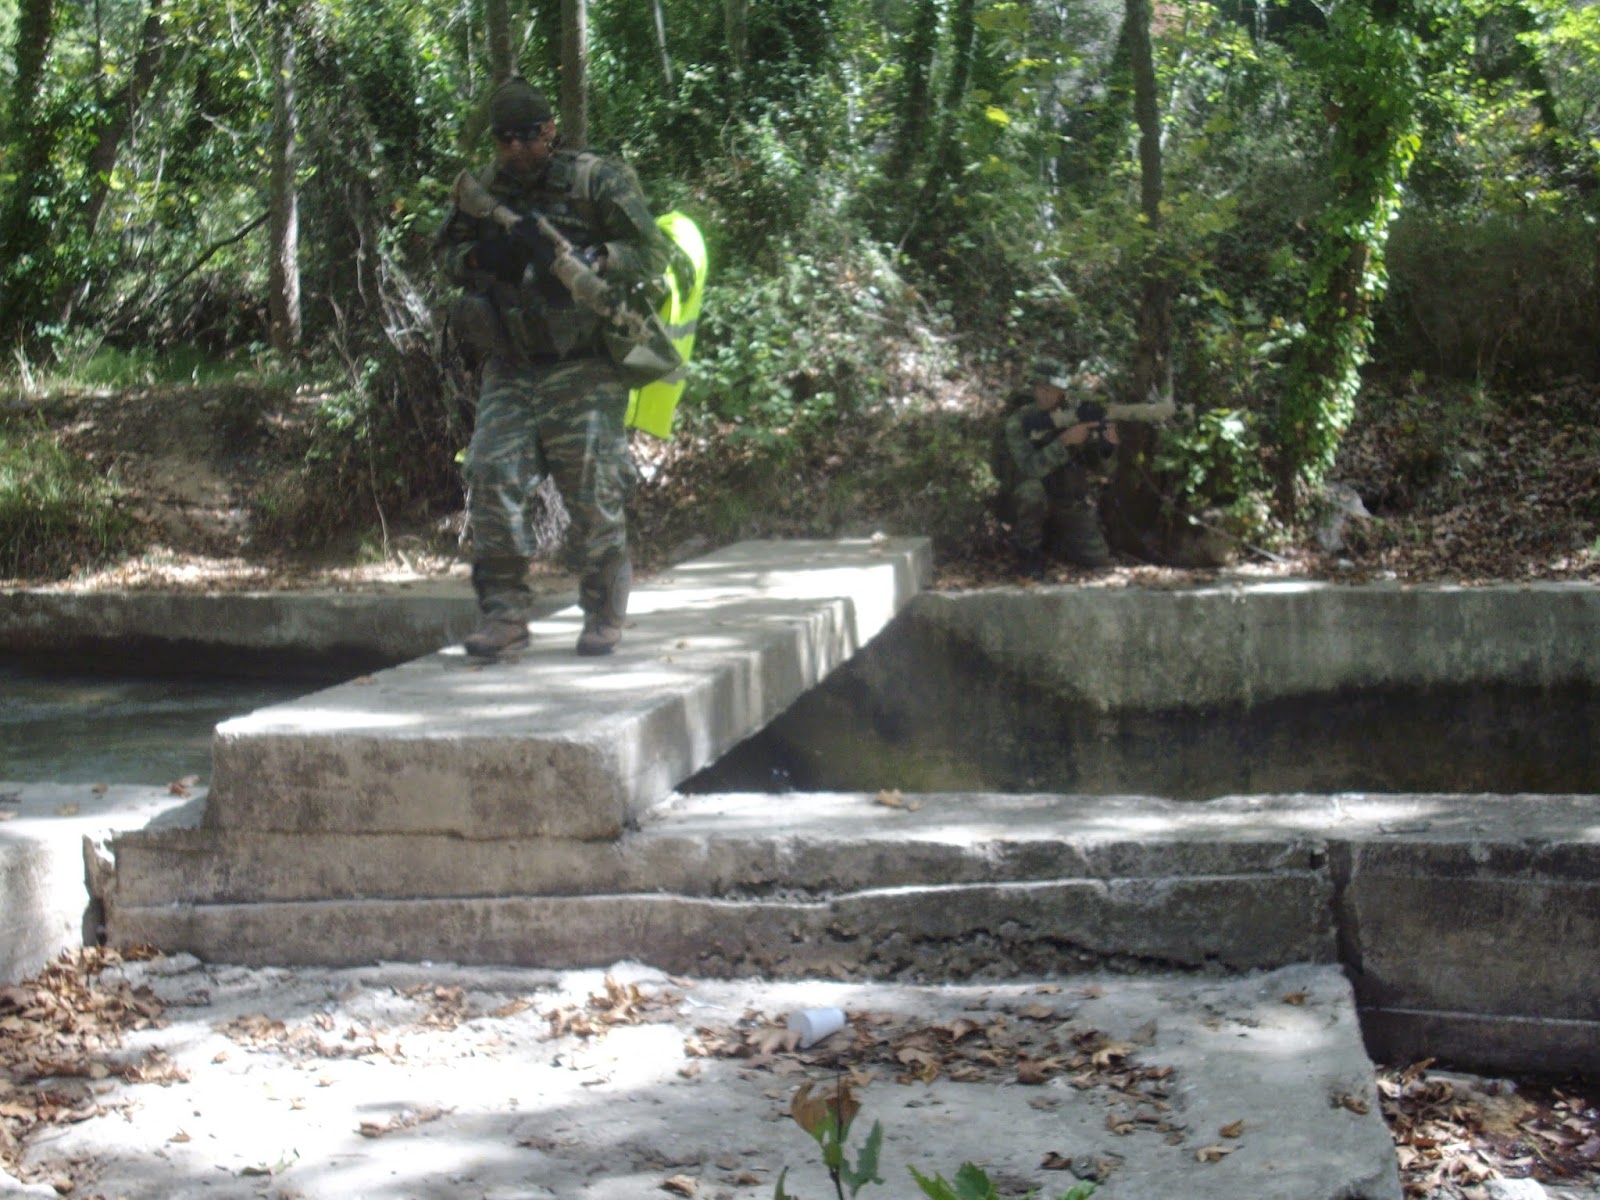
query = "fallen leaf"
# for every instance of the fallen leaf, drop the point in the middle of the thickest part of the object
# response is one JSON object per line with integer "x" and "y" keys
{"x": 812, "y": 1112}
{"x": 1056, "y": 1162}
{"x": 1036, "y": 1071}
{"x": 1294, "y": 997}
{"x": 683, "y": 1185}
{"x": 1233, "y": 1130}
{"x": 1354, "y": 1104}
{"x": 1211, "y": 1154}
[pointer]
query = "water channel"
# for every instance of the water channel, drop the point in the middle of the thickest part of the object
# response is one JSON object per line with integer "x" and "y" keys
{"x": 83, "y": 728}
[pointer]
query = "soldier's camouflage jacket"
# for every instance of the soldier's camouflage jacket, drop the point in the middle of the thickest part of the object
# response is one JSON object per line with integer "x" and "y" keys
{"x": 595, "y": 203}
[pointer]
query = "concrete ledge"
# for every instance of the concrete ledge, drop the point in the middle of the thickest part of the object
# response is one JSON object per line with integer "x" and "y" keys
{"x": 733, "y": 846}
{"x": 1245, "y": 644}
{"x": 277, "y": 633}
{"x": 1490, "y": 1045}
{"x": 550, "y": 745}
{"x": 1452, "y": 914}
{"x": 1005, "y": 929}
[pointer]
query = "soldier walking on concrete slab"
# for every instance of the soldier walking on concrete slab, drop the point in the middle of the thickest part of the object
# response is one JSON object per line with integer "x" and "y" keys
{"x": 554, "y": 391}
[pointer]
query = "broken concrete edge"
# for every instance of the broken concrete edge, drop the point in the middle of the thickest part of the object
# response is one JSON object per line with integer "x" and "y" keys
{"x": 55, "y": 863}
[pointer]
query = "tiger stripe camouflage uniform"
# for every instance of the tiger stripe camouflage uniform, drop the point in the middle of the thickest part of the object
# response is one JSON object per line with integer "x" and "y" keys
{"x": 551, "y": 401}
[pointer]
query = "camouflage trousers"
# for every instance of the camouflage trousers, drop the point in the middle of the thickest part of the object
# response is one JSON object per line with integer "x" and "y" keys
{"x": 562, "y": 420}
{"x": 1033, "y": 505}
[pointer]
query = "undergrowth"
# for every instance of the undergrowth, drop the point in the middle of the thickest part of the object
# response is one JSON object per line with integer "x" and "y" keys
{"x": 58, "y": 512}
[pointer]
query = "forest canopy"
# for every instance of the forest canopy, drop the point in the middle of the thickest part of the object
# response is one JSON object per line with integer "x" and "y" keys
{"x": 1245, "y": 204}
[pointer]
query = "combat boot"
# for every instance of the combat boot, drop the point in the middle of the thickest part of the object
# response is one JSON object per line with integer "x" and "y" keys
{"x": 495, "y": 636}
{"x": 1082, "y": 541}
{"x": 603, "y": 596}
{"x": 501, "y": 583}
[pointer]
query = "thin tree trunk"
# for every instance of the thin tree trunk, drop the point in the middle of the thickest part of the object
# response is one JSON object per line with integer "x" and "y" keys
{"x": 21, "y": 231}
{"x": 661, "y": 45}
{"x": 284, "y": 268}
{"x": 916, "y": 101}
{"x": 502, "y": 59}
{"x": 1154, "y": 348}
{"x": 735, "y": 26}
{"x": 575, "y": 72}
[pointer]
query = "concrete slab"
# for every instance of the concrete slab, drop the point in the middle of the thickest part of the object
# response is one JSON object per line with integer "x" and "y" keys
{"x": 959, "y": 886}
{"x": 550, "y": 745}
{"x": 46, "y": 833}
{"x": 383, "y": 1082}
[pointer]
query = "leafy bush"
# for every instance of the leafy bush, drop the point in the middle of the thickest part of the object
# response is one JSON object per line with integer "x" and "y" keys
{"x": 1507, "y": 298}
{"x": 58, "y": 513}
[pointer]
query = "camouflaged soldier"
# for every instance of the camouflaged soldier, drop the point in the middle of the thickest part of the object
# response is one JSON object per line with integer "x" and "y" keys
{"x": 1048, "y": 466}
{"x": 552, "y": 400}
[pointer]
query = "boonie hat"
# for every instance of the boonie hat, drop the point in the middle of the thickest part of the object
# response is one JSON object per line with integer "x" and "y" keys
{"x": 1052, "y": 373}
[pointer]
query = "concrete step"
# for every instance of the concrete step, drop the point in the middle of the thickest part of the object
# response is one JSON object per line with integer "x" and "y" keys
{"x": 1468, "y": 924}
{"x": 551, "y": 745}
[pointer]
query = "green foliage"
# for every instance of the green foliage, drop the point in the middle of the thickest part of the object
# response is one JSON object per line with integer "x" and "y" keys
{"x": 1511, "y": 299}
{"x": 787, "y": 352}
{"x": 58, "y": 513}
{"x": 972, "y": 1183}
{"x": 828, "y": 1120}
{"x": 1211, "y": 468}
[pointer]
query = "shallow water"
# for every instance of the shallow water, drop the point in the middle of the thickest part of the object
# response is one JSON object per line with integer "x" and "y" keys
{"x": 119, "y": 729}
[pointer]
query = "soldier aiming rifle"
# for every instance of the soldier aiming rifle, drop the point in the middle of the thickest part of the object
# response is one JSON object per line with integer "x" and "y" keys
{"x": 1059, "y": 439}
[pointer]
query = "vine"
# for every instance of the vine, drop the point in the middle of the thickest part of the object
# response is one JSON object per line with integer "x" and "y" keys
{"x": 1371, "y": 65}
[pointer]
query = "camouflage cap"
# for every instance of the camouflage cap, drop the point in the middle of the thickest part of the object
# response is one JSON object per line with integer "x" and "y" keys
{"x": 516, "y": 106}
{"x": 1052, "y": 373}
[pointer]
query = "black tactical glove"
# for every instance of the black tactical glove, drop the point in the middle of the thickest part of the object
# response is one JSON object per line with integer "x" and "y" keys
{"x": 541, "y": 251}
{"x": 498, "y": 256}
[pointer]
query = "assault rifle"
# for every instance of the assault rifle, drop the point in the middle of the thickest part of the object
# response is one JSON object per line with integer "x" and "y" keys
{"x": 638, "y": 342}
{"x": 1042, "y": 426}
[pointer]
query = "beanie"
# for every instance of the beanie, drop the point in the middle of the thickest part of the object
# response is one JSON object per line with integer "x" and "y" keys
{"x": 517, "y": 107}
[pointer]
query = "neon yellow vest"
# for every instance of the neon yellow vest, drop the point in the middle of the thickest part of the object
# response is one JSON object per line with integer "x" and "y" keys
{"x": 650, "y": 408}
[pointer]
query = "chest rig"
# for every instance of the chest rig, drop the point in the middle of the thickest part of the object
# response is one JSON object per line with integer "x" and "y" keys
{"x": 547, "y": 323}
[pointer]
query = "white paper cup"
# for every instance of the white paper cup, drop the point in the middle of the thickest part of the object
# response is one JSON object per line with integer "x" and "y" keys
{"x": 814, "y": 1024}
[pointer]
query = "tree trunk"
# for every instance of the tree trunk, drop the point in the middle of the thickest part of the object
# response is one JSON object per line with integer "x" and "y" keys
{"x": 661, "y": 45}
{"x": 502, "y": 57}
{"x": 915, "y": 116}
{"x": 1153, "y": 352}
{"x": 21, "y": 230}
{"x": 735, "y": 27}
{"x": 575, "y": 73}
{"x": 284, "y": 268}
